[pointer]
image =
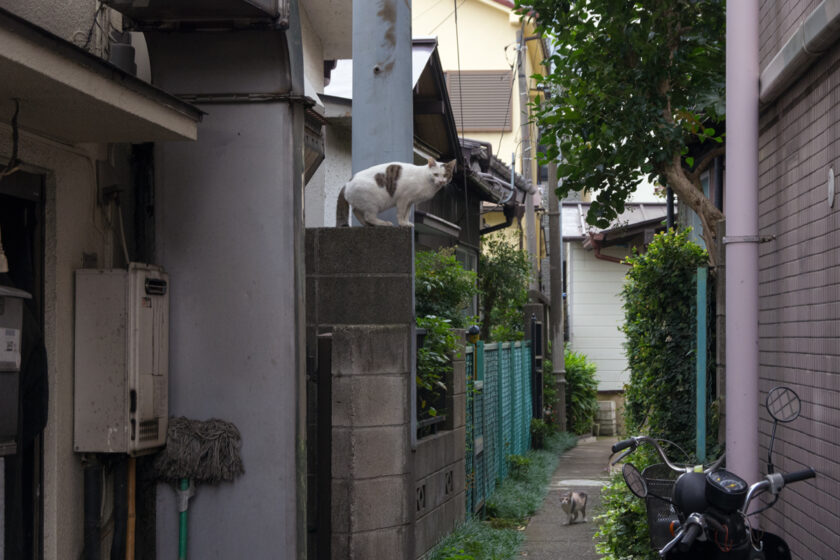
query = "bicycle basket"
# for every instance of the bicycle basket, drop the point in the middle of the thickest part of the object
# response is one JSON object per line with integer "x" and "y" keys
{"x": 660, "y": 513}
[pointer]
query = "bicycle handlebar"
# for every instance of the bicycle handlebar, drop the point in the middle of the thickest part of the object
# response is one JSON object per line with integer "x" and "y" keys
{"x": 622, "y": 445}
{"x": 796, "y": 476}
{"x": 694, "y": 526}
{"x": 774, "y": 482}
{"x": 636, "y": 440}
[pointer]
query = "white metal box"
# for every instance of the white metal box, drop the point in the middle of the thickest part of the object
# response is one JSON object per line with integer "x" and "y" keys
{"x": 121, "y": 360}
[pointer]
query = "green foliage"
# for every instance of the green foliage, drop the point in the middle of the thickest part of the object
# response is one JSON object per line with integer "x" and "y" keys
{"x": 476, "y": 540}
{"x": 581, "y": 393}
{"x": 540, "y": 430}
{"x": 518, "y": 466}
{"x": 660, "y": 328}
{"x": 433, "y": 362}
{"x": 442, "y": 287}
{"x": 660, "y": 309}
{"x": 631, "y": 83}
{"x": 550, "y": 394}
{"x": 517, "y": 499}
{"x": 505, "y": 272}
{"x": 622, "y": 528}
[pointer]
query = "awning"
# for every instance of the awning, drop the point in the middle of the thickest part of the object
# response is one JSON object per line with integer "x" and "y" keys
{"x": 68, "y": 94}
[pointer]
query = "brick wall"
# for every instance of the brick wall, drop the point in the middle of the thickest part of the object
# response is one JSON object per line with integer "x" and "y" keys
{"x": 799, "y": 286}
{"x": 778, "y": 20}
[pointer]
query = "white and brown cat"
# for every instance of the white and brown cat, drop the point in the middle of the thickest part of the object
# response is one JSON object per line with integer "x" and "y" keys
{"x": 390, "y": 185}
{"x": 573, "y": 503}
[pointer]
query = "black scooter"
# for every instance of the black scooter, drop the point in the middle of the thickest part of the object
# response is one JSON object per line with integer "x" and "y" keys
{"x": 697, "y": 513}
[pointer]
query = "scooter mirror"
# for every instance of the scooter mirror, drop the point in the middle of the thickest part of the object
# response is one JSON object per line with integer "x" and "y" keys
{"x": 783, "y": 404}
{"x": 634, "y": 480}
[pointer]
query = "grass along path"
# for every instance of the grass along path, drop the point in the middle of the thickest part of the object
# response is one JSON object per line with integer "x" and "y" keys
{"x": 499, "y": 535}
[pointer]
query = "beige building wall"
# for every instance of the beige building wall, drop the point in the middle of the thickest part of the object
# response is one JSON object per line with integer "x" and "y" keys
{"x": 485, "y": 40}
{"x": 74, "y": 225}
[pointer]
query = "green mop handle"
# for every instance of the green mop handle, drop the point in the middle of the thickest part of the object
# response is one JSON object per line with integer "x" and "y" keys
{"x": 184, "y": 489}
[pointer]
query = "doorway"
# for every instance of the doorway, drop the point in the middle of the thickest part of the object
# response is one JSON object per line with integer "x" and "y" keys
{"x": 22, "y": 235}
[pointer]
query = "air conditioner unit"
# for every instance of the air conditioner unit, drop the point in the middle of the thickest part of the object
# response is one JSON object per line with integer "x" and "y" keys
{"x": 121, "y": 362}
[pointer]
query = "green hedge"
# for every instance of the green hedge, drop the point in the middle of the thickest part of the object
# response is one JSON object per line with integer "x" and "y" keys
{"x": 581, "y": 393}
{"x": 660, "y": 328}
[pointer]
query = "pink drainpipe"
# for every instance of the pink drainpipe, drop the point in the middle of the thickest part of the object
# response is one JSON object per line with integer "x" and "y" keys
{"x": 741, "y": 208}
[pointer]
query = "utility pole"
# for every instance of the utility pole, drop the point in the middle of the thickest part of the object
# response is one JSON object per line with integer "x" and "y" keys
{"x": 382, "y": 97}
{"x": 555, "y": 255}
{"x": 527, "y": 158}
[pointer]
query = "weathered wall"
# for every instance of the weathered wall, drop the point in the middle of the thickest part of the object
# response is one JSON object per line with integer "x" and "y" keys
{"x": 799, "y": 279}
{"x": 74, "y": 226}
{"x": 230, "y": 233}
{"x": 389, "y": 499}
{"x": 359, "y": 285}
{"x": 335, "y": 170}
{"x": 440, "y": 469}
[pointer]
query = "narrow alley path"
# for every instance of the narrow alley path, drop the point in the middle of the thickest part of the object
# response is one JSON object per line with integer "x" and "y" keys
{"x": 583, "y": 469}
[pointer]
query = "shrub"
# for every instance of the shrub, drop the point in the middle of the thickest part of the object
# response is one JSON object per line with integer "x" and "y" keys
{"x": 442, "y": 288}
{"x": 433, "y": 362}
{"x": 660, "y": 328}
{"x": 581, "y": 393}
{"x": 518, "y": 466}
{"x": 503, "y": 283}
{"x": 660, "y": 307}
{"x": 622, "y": 527}
{"x": 540, "y": 430}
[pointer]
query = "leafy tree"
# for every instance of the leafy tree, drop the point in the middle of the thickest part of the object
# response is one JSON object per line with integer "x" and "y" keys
{"x": 504, "y": 272}
{"x": 633, "y": 84}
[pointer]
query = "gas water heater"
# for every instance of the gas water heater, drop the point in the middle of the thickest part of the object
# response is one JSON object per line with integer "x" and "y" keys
{"x": 121, "y": 360}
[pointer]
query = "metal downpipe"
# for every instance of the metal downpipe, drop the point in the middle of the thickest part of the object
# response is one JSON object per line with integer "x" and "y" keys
{"x": 741, "y": 241}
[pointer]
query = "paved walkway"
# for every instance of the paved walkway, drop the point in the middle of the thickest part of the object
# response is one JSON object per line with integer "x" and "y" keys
{"x": 583, "y": 469}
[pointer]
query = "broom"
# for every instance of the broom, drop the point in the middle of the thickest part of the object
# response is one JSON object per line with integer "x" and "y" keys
{"x": 197, "y": 451}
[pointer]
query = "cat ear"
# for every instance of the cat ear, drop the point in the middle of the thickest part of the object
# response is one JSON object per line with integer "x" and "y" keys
{"x": 432, "y": 162}
{"x": 450, "y": 167}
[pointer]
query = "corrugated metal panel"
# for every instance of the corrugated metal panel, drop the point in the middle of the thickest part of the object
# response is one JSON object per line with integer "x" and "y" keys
{"x": 486, "y": 98}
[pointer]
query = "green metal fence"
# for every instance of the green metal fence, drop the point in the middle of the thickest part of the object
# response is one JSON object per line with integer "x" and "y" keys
{"x": 498, "y": 414}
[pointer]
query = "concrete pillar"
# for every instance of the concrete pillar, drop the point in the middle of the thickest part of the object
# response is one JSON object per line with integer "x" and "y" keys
{"x": 382, "y": 99}
{"x": 229, "y": 215}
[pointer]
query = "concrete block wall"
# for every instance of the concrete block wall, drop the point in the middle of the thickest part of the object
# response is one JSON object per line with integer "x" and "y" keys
{"x": 440, "y": 469}
{"x": 387, "y": 499}
{"x": 360, "y": 287}
{"x": 372, "y": 475}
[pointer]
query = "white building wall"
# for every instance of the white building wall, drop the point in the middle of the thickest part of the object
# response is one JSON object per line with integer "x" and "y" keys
{"x": 336, "y": 169}
{"x": 595, "y": 313}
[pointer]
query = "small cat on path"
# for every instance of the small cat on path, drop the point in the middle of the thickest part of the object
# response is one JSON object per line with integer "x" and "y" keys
{"x": 389, "y": 185}
{"x": 573, "y": 503}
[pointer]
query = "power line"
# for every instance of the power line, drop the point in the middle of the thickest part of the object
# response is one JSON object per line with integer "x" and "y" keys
{"x": 447, "y": 17}
{"x": 461, "y": 101}
{"x": 510, "y": 98}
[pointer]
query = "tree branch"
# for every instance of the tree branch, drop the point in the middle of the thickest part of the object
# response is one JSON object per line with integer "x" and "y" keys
{"x": 705, "y": 163}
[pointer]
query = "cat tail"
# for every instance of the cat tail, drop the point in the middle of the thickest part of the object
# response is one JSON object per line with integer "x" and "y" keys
{"x": 342, "y": 210}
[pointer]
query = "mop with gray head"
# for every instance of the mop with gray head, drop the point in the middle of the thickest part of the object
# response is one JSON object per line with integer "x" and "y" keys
{"x": 205, "y": 451}
{"x": 197, "y": 451}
